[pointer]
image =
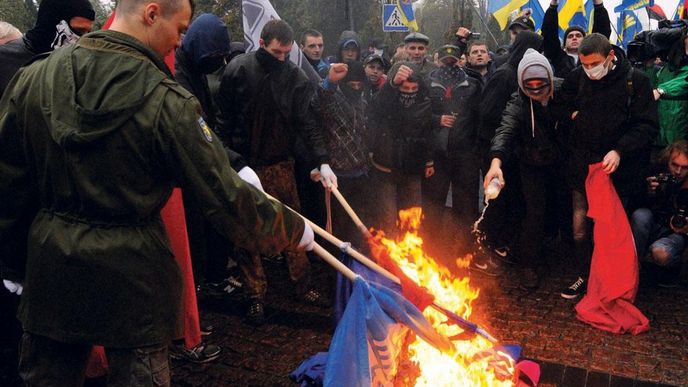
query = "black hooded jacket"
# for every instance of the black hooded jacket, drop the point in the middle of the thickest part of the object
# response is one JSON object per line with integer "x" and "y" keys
{"x": 400, "y": 138}
{"x": 501, "y": 85}
{"x": 603, "y": 120}
{"x": 38, "y": 40}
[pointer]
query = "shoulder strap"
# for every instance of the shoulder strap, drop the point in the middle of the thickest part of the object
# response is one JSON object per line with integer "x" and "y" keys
{"x": 629, "y": 91}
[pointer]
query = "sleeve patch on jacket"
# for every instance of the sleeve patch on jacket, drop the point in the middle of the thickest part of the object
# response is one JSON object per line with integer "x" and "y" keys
{"x": 205, "y": 130}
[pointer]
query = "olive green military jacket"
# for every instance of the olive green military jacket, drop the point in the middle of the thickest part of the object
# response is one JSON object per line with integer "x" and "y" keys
{"x": 93, "y": 139}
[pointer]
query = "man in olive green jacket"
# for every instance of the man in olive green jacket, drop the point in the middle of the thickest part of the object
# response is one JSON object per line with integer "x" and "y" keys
{"x": 92, "y": 140}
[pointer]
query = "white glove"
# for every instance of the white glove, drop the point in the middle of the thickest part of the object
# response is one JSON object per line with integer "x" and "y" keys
{"x": 307, "y": 241}
{"x": 249, "y": 175}
{"x": 15, "y": 287}
{"x": 327, "y": 176}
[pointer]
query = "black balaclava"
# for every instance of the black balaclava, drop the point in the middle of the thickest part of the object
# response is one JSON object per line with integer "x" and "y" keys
{"x": 355, "y": 73}
{"x": 50, "y": 13}
{"x": 207, "y": 43}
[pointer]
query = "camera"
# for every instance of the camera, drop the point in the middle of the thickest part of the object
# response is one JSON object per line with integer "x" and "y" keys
{"x": 680, "y": 217}
{"x": 474, "y": 35}
{"x": 666, "y": 178}
{"x": 658, "y": 43}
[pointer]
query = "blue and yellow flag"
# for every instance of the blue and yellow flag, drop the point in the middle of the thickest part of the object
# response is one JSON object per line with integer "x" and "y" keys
{"x": 680, "y": 8}
{"x": 537, "y": 13}
{"x": 575, "y": 13}
{"x": 628, "y": 26}
{"x": 501, "y": 9}
{"x": 632, "y": 5}
{"x": 407, "y": 17}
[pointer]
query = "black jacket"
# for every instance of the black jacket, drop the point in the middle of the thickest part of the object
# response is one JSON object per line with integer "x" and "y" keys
{"x": 501, "y": 85}
{"x": 400, "y": 137}
{"x": 266, "y": 105}
{"x": 603, "y": 121}
{"x": 459, "y": 96}
{"x": 535, "y": 143}
{"x": 562, "y": 63}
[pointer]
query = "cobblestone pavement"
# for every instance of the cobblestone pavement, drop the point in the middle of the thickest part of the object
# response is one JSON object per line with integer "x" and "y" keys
{"x": 571, "y": 353}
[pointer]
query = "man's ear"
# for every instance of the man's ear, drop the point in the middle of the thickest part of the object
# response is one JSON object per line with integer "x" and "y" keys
{"x": 261, "y": 42}
{"x": 152, "y": 12}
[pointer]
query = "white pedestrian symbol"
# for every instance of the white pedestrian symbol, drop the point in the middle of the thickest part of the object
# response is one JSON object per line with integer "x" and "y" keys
{"x": 394, "y": 19}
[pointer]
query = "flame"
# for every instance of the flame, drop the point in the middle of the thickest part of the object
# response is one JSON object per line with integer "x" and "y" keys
{"x": 474, "y": 362}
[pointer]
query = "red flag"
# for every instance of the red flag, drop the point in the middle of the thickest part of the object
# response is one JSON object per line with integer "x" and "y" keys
{"x": 656, "y": 12}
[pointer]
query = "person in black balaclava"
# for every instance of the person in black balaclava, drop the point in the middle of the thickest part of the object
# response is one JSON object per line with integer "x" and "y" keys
{"x": 341, "y": 109}
{"x": 59, "y": 23}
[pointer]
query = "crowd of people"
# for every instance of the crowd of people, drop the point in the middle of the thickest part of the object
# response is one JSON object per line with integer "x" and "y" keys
{"x": 95, "y": 131}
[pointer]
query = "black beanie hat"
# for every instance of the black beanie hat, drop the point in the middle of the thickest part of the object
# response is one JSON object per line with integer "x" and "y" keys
{"x": 50, "y": 13}
{"x": 355, "y": 72}
{"x": 574, "y": 28}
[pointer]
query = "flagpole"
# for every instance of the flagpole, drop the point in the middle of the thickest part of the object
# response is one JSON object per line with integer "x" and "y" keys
{"x": 473, "y": 7}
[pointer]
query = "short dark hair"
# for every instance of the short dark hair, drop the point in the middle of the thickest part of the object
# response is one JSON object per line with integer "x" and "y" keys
{"x": 595, "y": 43}
{"x": 168, "y": 6}
{"x": 277, "y": 29}
{"x": 477, "y": 43}
{"x": 309, "y": 33}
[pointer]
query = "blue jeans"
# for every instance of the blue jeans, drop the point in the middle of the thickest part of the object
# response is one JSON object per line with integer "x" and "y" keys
{"x": 667, "y": 248}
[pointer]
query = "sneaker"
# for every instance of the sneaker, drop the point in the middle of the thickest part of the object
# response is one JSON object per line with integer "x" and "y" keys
{"x": 227, "y": 286}
{"x": 202, "y": 353}
{"x": 207, "y": 329}
{"x": 576, "y": 289}
{"x": 486, "y": 265}
{"x": 504, "y": 254}
{"x": 256, "y": 313}
{"x": 668, "y": 277}
{"x": 313, "y": 297}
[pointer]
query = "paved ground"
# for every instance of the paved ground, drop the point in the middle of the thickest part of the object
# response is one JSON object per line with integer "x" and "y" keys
{"x": 571, "y": 353}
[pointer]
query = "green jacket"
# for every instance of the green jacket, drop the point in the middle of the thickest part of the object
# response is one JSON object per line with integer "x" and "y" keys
{"x": 93, "y": 138}
{"x": 673, "y": 105}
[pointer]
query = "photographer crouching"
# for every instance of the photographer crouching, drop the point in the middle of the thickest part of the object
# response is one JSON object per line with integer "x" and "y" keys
{"x": 660, "y": 228}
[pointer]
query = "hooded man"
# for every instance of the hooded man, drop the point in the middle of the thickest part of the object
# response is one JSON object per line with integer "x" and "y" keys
{"x": 564, "y": 57}
{"x": 501, "y": 219}
{"x": 59, "y": 23}
{"x": 341, "y": 106}
{"x": 530, "y": 128}
{"x": 400, "y": 122}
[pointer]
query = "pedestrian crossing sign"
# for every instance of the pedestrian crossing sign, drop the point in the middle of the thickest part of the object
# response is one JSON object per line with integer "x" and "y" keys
{"x": 391, "y": 19}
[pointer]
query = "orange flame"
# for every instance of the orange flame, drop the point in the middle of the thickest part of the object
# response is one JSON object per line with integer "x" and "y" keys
{"x": 474, "y": 363}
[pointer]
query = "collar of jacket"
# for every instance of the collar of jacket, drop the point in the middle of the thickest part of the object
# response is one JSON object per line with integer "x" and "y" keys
{"x": 128, "y": 44}
{"x": 267, "y": 61}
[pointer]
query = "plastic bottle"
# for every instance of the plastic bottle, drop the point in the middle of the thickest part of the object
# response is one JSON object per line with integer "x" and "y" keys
{"x": 493, "y": 188}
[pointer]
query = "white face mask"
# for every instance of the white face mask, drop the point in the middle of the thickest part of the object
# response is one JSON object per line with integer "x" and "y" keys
{"x": 598, "y": 72}
{"x": 64, "y": 36}
{"x": 377, "y": 51}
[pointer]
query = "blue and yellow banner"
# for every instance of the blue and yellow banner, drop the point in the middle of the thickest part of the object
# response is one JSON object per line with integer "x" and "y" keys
{"x": 501, "y": 9}
{"x": 407, "y": 17}
{"x": 632, "y": 5}
{"x": 628, "y": 26}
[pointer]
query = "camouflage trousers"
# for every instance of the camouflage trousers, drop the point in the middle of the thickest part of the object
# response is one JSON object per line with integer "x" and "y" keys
{"x": 277, "y": 180}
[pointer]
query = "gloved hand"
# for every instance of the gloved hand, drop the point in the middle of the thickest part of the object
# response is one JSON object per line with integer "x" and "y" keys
{"x": 327, "y": 176}
{"x": 307, "y": 241}
{"x": 249, "y": 175}
{"x": 15, "y": 287}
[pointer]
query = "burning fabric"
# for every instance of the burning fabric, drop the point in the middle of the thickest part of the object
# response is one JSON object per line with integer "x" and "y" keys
{"x": 382, "y": 339}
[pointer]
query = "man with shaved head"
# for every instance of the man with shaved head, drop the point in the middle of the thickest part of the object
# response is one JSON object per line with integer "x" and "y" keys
{"x": 93, "y": 153}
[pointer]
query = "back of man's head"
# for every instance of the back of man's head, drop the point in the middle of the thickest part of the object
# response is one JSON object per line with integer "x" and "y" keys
{"x": 8, "y": 32}
{"x": 595, "y": 43}
{"x": 167, "y": 7}
{"x": 279, "y": 30}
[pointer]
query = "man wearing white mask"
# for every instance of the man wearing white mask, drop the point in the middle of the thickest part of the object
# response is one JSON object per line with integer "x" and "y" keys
{"x": 614, "y": 122}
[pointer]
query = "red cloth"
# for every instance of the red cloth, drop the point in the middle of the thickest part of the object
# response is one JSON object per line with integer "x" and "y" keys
{"x": 613, "y": 281}
{"x": 417, "y": 295}
{"x": 97, "y": 363}
{"x": 175, "y": 224}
